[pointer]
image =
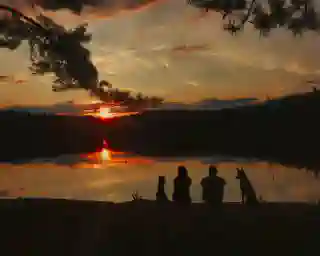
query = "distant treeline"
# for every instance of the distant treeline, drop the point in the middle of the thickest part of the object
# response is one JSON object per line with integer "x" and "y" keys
{"x": 284, "y": 130}
{"x": 25, "y": 135}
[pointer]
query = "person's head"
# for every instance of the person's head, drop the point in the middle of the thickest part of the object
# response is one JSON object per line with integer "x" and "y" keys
{"x": 162, "y": 180}
{"x": 213, "y": 171}
{"x": 182, "y": 171}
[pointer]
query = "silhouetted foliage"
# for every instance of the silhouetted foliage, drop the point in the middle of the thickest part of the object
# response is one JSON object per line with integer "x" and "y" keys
{"x": 298, "y": 16}
{"x": 55, "y": 49}
{"x": 138, "y": 101}
{"x": 135, "y": 196}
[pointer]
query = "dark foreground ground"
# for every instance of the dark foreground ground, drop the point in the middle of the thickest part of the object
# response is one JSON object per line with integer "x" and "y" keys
{"x": 65, "y": 227}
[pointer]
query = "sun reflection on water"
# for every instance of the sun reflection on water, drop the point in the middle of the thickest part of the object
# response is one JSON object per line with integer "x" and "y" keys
{"x": 105, "y": 155}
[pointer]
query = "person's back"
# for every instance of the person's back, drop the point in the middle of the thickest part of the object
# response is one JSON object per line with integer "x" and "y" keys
{"x": 182, "y": 183}
{"x": 213, "y": 187}
{"x": 218, "y": 184}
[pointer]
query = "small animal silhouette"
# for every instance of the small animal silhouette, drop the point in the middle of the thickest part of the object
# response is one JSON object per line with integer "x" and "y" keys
{"x": 248, "y": 194}
{"x": 161, "y": 194}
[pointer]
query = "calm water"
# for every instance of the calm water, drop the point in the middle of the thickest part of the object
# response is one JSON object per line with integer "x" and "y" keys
{"x": 114, "y": 176}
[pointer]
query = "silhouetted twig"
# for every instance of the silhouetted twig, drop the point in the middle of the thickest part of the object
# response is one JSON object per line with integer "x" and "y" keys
{"x": 294, "y": 15}
{"x": 136, "y": 196}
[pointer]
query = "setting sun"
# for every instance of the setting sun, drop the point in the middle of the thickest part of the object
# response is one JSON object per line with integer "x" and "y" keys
{"x": 101, "y": 112}
{"x": 104, "y": 112}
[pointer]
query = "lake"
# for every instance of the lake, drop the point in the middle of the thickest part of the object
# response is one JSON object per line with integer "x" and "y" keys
{"x": 114, "y": 176}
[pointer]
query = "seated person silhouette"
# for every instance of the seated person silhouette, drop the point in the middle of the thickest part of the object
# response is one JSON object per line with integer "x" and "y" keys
{"x": 161, "y": 194}
{"x": 213, "y": 187}
{"x": 181, "y": 186}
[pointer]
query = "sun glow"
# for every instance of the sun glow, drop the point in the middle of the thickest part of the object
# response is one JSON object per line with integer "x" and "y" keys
{"x": 100, "y": 112}
{"x": 104, "y": 112}
{"x": 104, "y": 156}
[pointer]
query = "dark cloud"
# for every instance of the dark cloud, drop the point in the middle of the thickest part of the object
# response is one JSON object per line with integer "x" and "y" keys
{"x": 7, "y": 78}
{"x": 66, "y": 108}
{"x": 77, "y": 6}
{"x": 211, "y": 104}
{"x": 191, "y": 48}
{"x": 74, "y": 5}
{"x": 4, "y": 78}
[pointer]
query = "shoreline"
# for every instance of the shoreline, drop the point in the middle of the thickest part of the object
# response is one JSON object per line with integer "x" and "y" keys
{"x": 75, "y": 227}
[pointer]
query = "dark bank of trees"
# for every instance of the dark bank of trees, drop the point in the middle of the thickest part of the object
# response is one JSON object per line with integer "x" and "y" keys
{"x": 25, "y": 135}
{"x": 285, "y": 129}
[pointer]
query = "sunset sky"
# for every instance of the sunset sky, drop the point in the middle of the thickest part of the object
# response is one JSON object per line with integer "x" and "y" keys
{"x": 167, "y": 49}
